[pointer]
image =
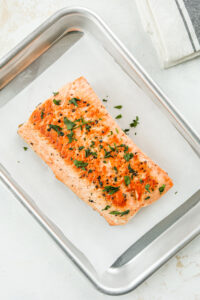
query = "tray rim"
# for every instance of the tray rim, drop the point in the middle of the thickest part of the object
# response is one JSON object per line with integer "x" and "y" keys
{"x": 74, "y": 254}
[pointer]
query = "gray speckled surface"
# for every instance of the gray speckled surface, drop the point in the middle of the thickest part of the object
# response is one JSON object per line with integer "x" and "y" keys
{"x": 26, "y": 271}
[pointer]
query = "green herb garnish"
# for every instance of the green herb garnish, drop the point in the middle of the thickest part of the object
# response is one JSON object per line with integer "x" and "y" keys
{"x": 25, "y": 148}
{"x": 55, "y": 93}
{"x": 71, "y": 137}
{"x": 115, "y": 168}
{"x": 88, "y": 152}
{"x": 126, "y": 130}
{"x": 127, "y": 180}
{"x": 161, "y": 188}
{"x": 57, "y": 128}
{"x": 42, "y": 114}
{"x": 70, "y": 125}
{"x": 80, "y": 164}
{"x": 117, "y": 130}
{"x": 107, "y": 153}
{"x": 132, "y": 171}
{"x": 141, "y": 181}
{"x": 92, "y": 144}
{"x": 74, "y": 101}
{"x": 135, "y": 122}
{"x": 147, "y": 186}
{"x": 118, "y": 117}
{"x": 118, "y": 106}
{"x": 56, "y": 102}
{"x": 111, "y": 189}
{"x": 128, "y": 156}
{"x": 147, "y": 198}
{"x": 80, "y": 148}
{"x": 107, "y": 207}
{"x": 104, "y": 100}
{"x": 119, "y": 213}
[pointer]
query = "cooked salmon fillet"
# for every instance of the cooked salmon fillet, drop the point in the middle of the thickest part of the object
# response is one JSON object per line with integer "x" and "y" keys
{"x": 87, "y": 150}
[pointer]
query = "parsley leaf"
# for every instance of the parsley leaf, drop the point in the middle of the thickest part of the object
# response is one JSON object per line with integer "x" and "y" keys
{"x": 118, "y": 106}
{"x": 117, "y": 130}
{"x": 104, "y": 100}
{"x": 119, "y": 213}
{"x": 107, "y": 207}
{"x": 70, "y": 125}
{"x": 128, "y": 156}
{"x": 115, "y": 168}
{"x": 111, "y": 189}
{"x": 118, "y": 117}
{"x": 92, "y": 144}
{"x": 107, "y": 153}
{"x": 126, "y": 130}
{"x": 56, "y": 102}
{"x": 147, "y": 198}
{"x": 126, "y": 212}
{"x": 127, "y": 180}
{"x": 88, "y": 152}
{"x": 80, "y": 164}
{"x": 56, "y": 128}
{"x": 161, "y": 188}
{"x": 42, "y": 114}
{"x": 55, "y": 93}
{"x": 74, "y": 101}
{"x": 71, "y": 137}
{"x": 147, "y": 186}
{"x": 132, "y": 170}
{"x": 80, "y": 148}
{"x": 25, "y": 148}
{"x": 135, "y": 122}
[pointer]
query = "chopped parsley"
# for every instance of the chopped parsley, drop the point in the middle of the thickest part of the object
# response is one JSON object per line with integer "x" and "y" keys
{"x": 128, "y": 156}
{"x": 117, "y": 130}
{"x": 147, "y": 186}
{"x": 81, "y": 148}
{"x": 88, "y": 152}
{"x": 71, "y": 137}
{"x": 127, "y": 180}
{"x": 70, "y": 125}
{"x": 115, "y": 168}
{"x": 57, "y": 128}
{"x": 74, "y": 101}
{"x": 55, "y": 93}
{"x": 105, "y": 100}
{"x": 119, "y": 213}
{"x": 176, "y": 193}
{"x": 107, "y": 207}
{"x": 25, "y": 148}
{"x": 56, "y": 102}
{"x": 141, "y": 181}
{"x": 118, "y": 106}
{"x": 161, "y": 188}
{"x": 111, "y": 133}
{"x": 147, "y": 198}
{"x": 118, "y": 117}
{"x": 135, "y": 122}
{"x": 80, "y": 164}
{"x": 107, "y": 153}
{"x": 126, "y": 130}
{"x": 92, "y": 144}
{"x": 42, "y": 114}
{"x": 132, "y": 170}
{"x": 111, "y": 189}
{"x": 100, "y": 146}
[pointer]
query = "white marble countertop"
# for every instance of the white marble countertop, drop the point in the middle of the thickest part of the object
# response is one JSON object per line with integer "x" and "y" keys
{"x": 26, "y": 271}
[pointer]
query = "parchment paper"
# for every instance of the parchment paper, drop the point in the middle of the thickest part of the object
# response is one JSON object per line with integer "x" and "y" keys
{"x": 101, "y": 243}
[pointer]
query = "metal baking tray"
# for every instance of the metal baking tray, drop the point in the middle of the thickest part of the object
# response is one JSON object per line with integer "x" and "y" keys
{"x": 168, "y": 236}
